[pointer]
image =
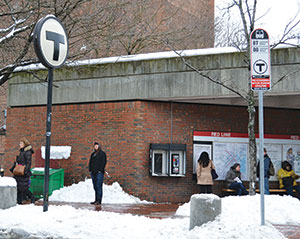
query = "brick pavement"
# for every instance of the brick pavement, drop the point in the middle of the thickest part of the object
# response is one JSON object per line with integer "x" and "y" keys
{"x": 289, "y": 231}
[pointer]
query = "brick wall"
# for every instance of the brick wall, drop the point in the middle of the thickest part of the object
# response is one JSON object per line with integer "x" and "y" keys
{"x": 125, "y": 130}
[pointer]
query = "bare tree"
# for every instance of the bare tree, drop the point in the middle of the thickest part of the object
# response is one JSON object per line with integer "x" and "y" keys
{"x": 18, "y": 19}
{"x": 99, "y": 28}
{"x": 239, "y": 37}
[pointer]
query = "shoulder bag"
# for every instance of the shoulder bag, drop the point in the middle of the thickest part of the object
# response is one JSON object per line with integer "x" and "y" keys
{"x": 19, "y": 170}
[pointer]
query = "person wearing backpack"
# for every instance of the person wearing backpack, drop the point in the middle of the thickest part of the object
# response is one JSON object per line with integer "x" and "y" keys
{"x": 268, "y": 171}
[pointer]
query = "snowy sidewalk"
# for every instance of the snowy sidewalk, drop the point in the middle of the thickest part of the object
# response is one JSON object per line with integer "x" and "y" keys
{"x": 157, "y": 211}
{"x": 123, "y": 216}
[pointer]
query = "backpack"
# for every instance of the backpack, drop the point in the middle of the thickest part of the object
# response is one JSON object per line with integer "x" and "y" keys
{"x": 271, "y": 169}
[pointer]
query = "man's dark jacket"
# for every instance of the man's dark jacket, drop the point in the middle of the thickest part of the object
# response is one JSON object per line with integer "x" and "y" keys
{"x": 97, "y": 162}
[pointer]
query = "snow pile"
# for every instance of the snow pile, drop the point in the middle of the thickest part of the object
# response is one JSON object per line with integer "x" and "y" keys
{"x": 278, "y": 209}
{"x": 240, "y": 218}
{"x": 84, "y": 192}
{"x": 57, "y": 152}
{"x": 208, "y": 197}
{"x": 7, "y": 182}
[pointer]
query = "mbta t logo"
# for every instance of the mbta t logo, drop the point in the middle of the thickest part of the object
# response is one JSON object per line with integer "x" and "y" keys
{"x": 51, "y": 42}
{"x": 56, "y": 38}
{"x": 260, "y": 67}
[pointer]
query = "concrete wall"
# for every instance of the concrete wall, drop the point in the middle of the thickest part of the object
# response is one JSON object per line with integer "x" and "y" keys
{"x": 156, "y": 79}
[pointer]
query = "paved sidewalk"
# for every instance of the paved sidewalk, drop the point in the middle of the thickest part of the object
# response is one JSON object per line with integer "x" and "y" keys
{"x": 289, "y": 231}
{"x": 159, "y": 211}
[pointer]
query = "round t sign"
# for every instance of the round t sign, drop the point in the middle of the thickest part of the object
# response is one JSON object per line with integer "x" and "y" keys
{"x": 50, "y": 42}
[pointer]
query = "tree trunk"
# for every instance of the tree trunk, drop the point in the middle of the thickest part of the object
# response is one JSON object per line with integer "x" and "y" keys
{"x": 252, "y": 143}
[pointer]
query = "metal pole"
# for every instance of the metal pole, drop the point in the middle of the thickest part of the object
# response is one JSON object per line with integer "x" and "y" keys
{"x": 48, "y": 135}
{"x": 261, "y": 157}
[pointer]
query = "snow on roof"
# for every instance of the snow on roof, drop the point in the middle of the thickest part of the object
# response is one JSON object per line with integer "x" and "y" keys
{"x": 58, "y": 152}
{"x": 138, "y": 57}
{"x": 143, "y": 57}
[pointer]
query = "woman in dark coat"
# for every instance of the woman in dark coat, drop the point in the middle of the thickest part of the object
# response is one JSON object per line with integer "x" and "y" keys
{"x": 23, "y": 181}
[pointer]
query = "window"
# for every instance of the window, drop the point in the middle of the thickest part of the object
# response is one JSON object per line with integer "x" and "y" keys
{"x": 167, "y": 159}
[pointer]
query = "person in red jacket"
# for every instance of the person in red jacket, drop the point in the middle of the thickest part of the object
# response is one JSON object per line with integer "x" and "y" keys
{"x": 97, "y": 169}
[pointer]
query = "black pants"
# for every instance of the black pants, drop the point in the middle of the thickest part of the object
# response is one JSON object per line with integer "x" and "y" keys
{"x": 205, "y": 188}
{"x": 23, "y": 195}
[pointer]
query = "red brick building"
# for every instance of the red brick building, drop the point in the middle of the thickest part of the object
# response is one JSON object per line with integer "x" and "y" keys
{"x": 126, "y": 130}
{"x": 104, "y": 103}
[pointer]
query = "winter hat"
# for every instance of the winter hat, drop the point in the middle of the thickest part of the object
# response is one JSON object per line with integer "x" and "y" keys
{"x": 96, "y": 143}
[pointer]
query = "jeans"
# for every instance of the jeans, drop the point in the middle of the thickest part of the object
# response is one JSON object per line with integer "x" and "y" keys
{"x": 97, "y": 183}
{"x": 266, "y": 190}
{"x": 289, "y": 190}
{"x": 239, "y": 188}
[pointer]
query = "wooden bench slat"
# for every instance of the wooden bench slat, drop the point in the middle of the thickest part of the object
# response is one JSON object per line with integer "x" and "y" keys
{"x": 257, "y": 190}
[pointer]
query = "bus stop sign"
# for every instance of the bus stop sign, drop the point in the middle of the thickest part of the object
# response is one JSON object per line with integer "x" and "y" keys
{"x": 260, "y": 60}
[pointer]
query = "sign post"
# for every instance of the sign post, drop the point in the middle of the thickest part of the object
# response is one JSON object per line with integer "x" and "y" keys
{"x": 260, "y": 81}
{"x": 51, "y": 47}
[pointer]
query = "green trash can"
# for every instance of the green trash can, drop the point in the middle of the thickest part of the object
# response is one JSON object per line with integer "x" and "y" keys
{"x": 56, "y": 181}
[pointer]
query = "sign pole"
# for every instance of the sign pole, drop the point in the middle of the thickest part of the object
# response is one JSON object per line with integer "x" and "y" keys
{"x": 51, "y": 47}
{"x": 260, "y": 81}
{"x": 261, "y": 157}
{"x": 48, "y": 137}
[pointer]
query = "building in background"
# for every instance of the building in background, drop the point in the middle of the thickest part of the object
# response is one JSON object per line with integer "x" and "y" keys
{"x": 152, "y": 116}
{"x": 139, "y": 26}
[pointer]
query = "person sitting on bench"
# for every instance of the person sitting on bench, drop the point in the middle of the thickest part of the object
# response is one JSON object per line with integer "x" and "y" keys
{"x": 234, "y": 180}
{"x": 287, "y": 179}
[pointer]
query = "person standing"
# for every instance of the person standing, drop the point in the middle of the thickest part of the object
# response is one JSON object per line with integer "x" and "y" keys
{"x": 267, "y": 164}
{"x": 97, "y": 169}
{"x": 234, "y": 180}
{"x": 24, "y": 158}
{"x": 204, "y": 178}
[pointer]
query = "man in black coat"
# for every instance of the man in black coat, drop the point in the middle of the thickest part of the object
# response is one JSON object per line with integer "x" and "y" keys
{"x": 97, "y": 169}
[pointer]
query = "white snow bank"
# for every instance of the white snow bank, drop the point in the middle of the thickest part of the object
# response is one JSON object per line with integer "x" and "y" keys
{"x": 8, "y": 181}
{"x": 240, "y": 218}
{"x": 58, "y": 152}
{"x": 84, "y": 192}
{"x": 246, "y": 209}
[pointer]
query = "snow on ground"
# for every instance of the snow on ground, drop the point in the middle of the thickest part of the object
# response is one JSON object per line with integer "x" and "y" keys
{"x": 84, "y": 192}
{"x": 240, "y": 218}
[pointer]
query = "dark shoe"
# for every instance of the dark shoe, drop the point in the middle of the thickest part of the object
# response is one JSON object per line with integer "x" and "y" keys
{"x": 97, "y": 203}
{"x": 93, "y": 202}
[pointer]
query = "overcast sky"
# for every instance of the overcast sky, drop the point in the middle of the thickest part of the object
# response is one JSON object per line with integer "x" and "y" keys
{"x": 275, "y": 14}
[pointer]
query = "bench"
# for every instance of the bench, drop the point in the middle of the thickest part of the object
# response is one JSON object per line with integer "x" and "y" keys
{"x": 273, "y": 190}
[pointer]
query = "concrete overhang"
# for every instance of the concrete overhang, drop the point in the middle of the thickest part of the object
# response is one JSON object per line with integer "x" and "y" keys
{"x": 163, "y": 77}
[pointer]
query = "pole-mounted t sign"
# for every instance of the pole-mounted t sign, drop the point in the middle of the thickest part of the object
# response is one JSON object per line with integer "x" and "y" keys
{"x": 51, "y": 47}
{"x": 260, "y": 60}
{"x": 50, "y": 42}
